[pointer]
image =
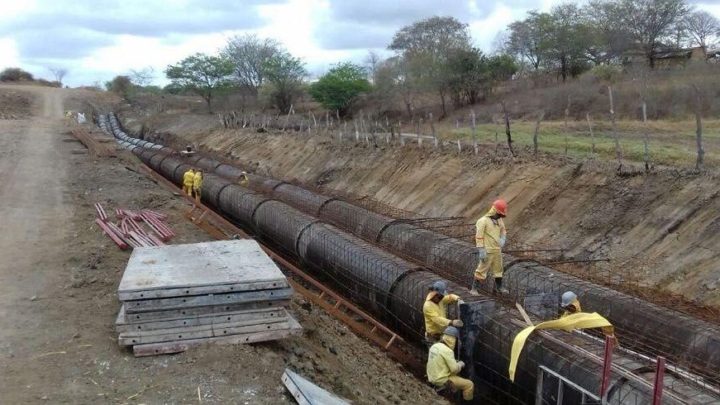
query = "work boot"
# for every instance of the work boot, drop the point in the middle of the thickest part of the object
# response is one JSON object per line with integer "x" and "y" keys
{"x": 499, "y": 287}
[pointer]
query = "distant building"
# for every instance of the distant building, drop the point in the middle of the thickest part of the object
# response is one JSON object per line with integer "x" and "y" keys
{"x": 669, "y": 57}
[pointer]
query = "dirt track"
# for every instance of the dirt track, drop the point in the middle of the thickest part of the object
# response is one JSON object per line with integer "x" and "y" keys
{"x": 58, "y": 304}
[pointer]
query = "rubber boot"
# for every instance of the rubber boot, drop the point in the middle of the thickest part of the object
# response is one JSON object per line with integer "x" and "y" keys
{"x": 498, "y": 288}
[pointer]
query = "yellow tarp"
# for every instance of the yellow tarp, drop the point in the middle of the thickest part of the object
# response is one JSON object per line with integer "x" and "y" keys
{"x": 580, "y": 320}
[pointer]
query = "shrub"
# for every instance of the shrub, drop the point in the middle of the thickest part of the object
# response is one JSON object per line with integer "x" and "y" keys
{"x": 15, "y": 75}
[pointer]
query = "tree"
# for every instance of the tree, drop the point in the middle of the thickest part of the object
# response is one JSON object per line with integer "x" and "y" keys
{"x": 372, "y": 61}
{"x": 340, "y": 87}
{"x": 284, "y": 76}
{"x": 58, "y": 73}
{"x": 702, "y": 26}
{"x": 467, "y": 70}
{"x": 249, "y": 54}
{"x": 429, "y": 43}
{"x": 567, "y": 38}
{"x": 649, "y": 22}
{"x": 14, "y": 74}
{"x": 529, "y": 38}
{"x": 142, "y": 77}
{"x": 608, "y": 38}
{"x": 201, "y": 74}
{"x": 120, "y": 85}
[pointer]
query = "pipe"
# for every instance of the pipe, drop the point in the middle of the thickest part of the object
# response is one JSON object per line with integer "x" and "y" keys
{"x": 392, "y": 288}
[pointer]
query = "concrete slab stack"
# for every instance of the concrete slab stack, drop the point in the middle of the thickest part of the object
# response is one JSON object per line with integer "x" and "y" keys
{"x": 179, "y": 296}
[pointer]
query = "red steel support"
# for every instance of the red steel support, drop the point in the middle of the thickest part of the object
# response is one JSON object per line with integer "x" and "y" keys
{"x": 659, "y": 381}
{"x": 607, "y": 366}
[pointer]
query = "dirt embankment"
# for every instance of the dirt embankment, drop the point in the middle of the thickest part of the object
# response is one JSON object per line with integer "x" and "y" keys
{"x": 660, "y": 229}
{"x": 60, "y": 275}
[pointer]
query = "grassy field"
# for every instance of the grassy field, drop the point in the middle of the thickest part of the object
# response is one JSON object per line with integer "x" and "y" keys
{"x": 670, "y": 142}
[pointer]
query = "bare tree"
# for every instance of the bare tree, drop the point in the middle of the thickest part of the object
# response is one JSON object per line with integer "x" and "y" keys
{"x": 702, "y": 26}
{"x": 649, "y": 21}
{"x": 372, "y": 63}
{"x": 58, "y": 73}
{"x": 142, "y": 77}
{"x": 249, "y": 55}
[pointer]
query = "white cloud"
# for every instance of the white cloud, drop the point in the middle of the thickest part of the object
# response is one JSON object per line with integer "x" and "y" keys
{"x": 98, "y": 39}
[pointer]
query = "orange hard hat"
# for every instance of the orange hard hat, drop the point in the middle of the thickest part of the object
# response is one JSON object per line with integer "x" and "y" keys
{"x": 500, "y": 206}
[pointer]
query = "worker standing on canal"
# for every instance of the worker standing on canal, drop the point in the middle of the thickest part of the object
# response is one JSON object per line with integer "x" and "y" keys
{"x": 490, "y": 237}
{"x": 188, "y": 178}
{"x": 197, "y": 184}
{"x": 442, "y": 368}
{"x": 570, "y": 304}
{"x": 435, "y": 312}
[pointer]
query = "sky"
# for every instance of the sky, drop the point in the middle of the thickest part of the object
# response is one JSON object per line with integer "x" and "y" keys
{"x": 97, "y": 40}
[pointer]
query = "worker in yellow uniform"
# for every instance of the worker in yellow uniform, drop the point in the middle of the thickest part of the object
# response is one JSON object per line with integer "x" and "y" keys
{"x": 435, "y": 312}
{"x": 570, "y": 304}
{"x": 197, "y": 184}
{"x": 490, "y": 237}
{"x": 442, "y": 369}
{"x": 243, "y": 179}
{"x": 188, "y": 178}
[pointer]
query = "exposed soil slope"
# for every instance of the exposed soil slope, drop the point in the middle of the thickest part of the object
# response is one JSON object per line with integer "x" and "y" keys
{"x": 59, "y": 275}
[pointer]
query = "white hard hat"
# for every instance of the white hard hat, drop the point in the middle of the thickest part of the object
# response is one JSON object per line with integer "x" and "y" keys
{"x": 567, "y": 298}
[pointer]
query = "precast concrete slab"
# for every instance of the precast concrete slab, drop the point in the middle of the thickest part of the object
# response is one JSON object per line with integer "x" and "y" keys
{"x": 161, "y": 304}
{"x": 209, "y": 267}
{"x": 206, "y": 310}
{"x": 259, "y": 315}
{"x": 153, "y": 349}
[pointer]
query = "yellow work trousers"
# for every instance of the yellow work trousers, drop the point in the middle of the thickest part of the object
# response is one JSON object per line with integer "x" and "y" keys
{"x": 457, "y": 383}
{"x": 196, "y": 192}
{"x": 187, "y": 190}
{"x": 493, "y": 262}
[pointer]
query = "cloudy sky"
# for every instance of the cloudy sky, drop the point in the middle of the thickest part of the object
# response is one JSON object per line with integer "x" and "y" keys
{"x": 96, "y": 40}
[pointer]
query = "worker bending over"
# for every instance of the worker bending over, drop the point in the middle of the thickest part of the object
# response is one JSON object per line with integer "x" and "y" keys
{"x": 435, "y": 312}
{"x": 442, "y": 369}
{"x": 569, "y": 304}
{"x": 490, "y": 237}
{"x": 197, "y": 185}
{"x": 188, "y": 179}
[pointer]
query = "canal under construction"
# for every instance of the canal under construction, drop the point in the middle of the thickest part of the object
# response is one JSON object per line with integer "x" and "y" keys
{"x": 386, "y": 265}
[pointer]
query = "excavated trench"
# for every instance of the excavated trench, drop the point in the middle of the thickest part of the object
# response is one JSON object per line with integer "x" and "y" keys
{"x": 340, "y": 244}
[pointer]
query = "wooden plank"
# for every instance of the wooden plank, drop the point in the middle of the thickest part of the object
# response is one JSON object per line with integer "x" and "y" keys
{"x": 306, "y": 392}
{"x": 244, "y": 338}
{"x": 200, "y": 332}
{"x": 207, "y": 310}
{"x": 162, "y": 304}
{"x": 260, "y": 315}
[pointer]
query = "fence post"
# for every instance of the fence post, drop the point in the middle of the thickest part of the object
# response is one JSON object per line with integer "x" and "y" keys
{"x": 607, "y": 367}
{"x": 659, "y": 381}
{"x": 474, "y": 132}
{"x": 432, "y": 129}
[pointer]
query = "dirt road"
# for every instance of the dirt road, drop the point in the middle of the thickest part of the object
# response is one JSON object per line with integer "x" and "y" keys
{"x": 59, "y": 275}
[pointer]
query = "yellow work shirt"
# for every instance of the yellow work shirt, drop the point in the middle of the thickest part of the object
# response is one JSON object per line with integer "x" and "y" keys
{"x": 488, "y": 232}
{"x": 188, "y": 178}
{"x": 441, "y": 364}
{"x": 576, "y": 304}
{"x": 436, "y": 314}
{"x": 197, "y": 180}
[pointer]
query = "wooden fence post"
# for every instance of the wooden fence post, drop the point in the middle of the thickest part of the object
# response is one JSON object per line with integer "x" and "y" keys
{"x": 474, "y": 132}
{"x": 618, "y": 149}
{"x": 592, "y": 134}
{"x": 537, "y": 129}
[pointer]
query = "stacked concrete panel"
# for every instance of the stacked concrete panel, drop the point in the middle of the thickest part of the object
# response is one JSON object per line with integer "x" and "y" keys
{"x": 180, "y": 296}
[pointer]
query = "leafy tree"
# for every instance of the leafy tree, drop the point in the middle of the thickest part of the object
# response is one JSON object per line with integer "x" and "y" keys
{"x": 284, "y": 76}
{"x": 467, "y": 74}
{"x": 120, "y": 85}
{"x": 249, "y": 54}
{"x": 340, "y": 87}
{"x": 608, "y": 39}
{"x": 14, "y": 74}
{"x": 702, "y": 26}
{"x": 567, "y": 40}
{"x": 530, "y": 38}
{"x": 201, "y": 74}
{"x": 428, "y": 44}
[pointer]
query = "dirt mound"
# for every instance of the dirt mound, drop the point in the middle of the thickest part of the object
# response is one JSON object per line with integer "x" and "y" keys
{"x": 14, "y": 104}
